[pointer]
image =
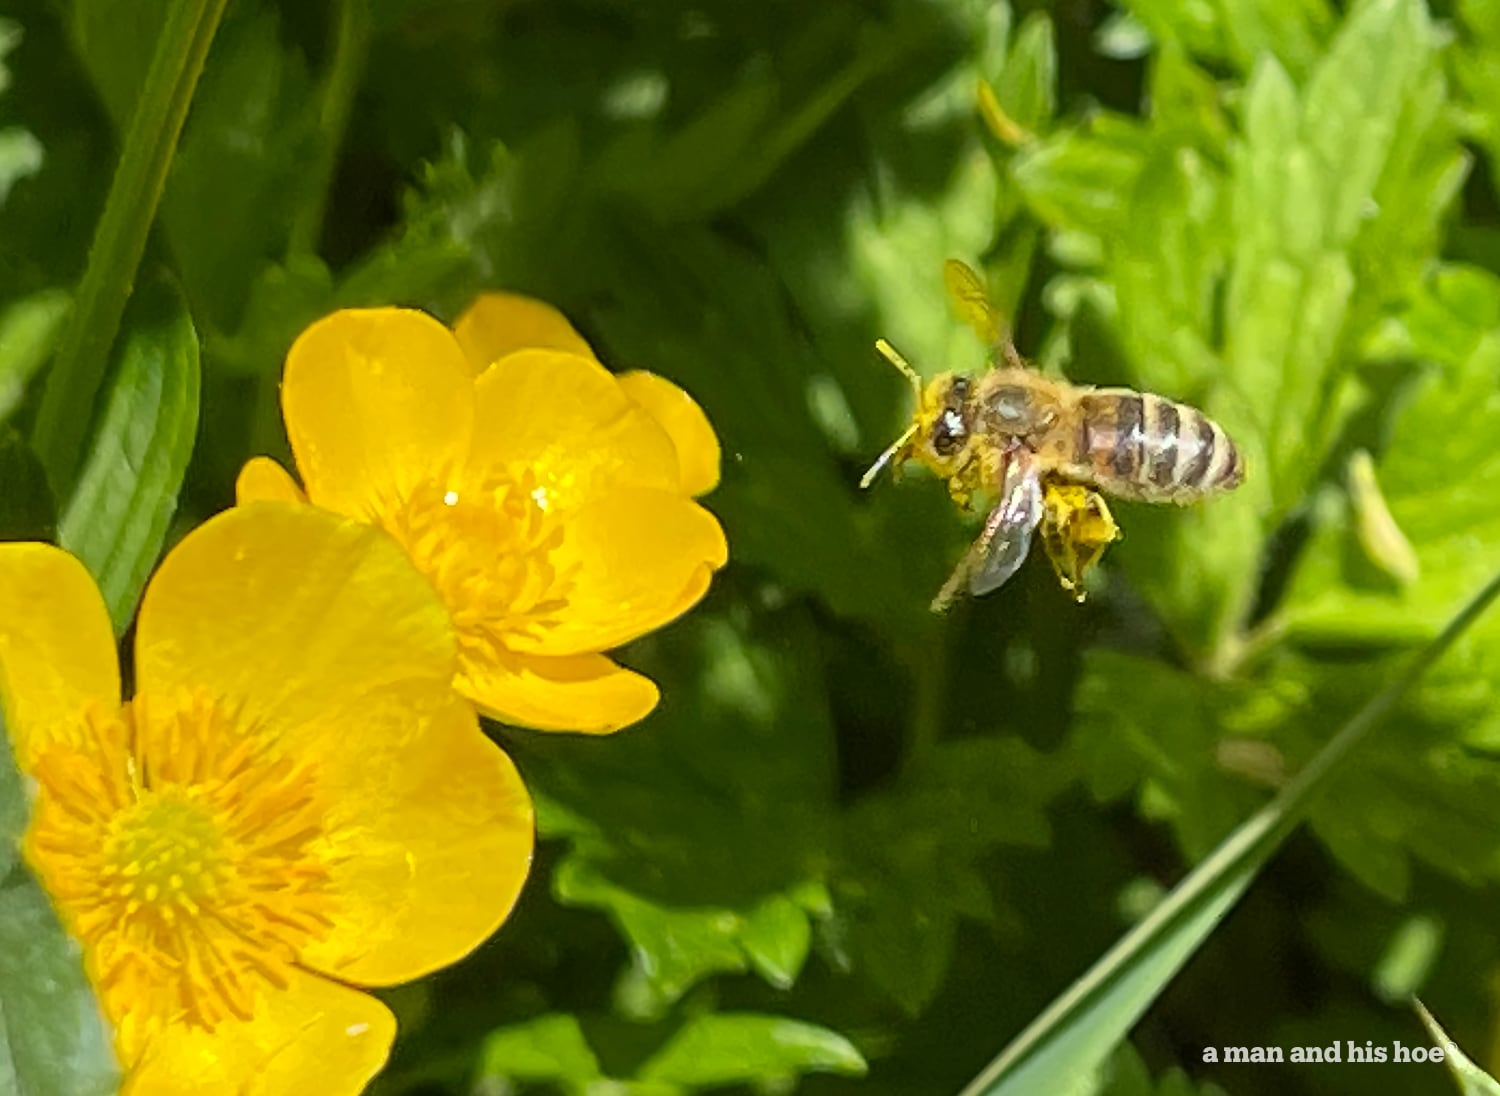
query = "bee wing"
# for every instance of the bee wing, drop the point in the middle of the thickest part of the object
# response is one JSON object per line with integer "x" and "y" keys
{"x": 971, "y": 302}
{"x": 1001, "y": 546}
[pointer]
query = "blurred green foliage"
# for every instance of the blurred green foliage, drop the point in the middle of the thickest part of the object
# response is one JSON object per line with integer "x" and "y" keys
{"x": 860, "y": 846}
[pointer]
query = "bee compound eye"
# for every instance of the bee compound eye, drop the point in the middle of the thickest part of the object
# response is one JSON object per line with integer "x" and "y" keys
{"x": 949, "y": 433}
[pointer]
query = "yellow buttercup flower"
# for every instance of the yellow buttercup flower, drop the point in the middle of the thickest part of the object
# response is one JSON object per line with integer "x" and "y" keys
{"x": 294, "y": 802}
{"x": 548, "y": 501}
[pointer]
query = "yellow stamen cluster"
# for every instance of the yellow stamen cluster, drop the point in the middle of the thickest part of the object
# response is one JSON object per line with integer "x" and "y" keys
{"x": 488, "y": 547}
{"x": 189, "y": 857}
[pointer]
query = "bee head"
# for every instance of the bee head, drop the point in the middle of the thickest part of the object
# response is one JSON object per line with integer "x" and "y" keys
{"x": 945, "y": 426}
{"x": 942, "y": 427}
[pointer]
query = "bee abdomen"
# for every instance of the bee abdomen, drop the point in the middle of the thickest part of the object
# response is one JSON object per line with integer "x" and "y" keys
{"x": 1141, "y": 446}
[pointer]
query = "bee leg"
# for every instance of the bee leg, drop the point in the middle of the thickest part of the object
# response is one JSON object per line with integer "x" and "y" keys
{"x": 955, "y": 585}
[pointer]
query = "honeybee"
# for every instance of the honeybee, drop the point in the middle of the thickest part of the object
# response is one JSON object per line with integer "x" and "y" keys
{"x": 1047, "y": 449}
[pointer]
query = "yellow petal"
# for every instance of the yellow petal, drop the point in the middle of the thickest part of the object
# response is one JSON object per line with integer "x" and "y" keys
{"x": 263, "y": 480}
{"x": 57, "y": 650}
{"x": 312, "y": 1036}
{"x": 630, "y": 557}
{"x": 431, "y": 843}
{"x": 319, "y": 631}
{"x": 498, "y": 324}
{"x": 376, "y": 401}
{"x": 300, "y": 617}
{"x": 679, "y": 414}
{"x": 565, "y": 418}
{"x": 584, "y": 693}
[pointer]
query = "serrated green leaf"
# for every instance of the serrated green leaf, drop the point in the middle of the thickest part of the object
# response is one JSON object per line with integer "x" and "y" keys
{"x": 116, "y": 520}
{"x": 1126, "y": 1075}
{"x": 1293, "y": 31}
{"x": 548, "y": 1048}
{"x": 777, "y": 936}
{"x": 1071, "y": 1038}
{"x": 1452, "y": 522}
{"x": 740, "y": 1048}
{"x": 727, "y": 870}
{"x": 672, "y": 949}
{"x": 1306, "y": 180}
{"x": 909, "y": 868}
{"x": 1472, "y": 1081}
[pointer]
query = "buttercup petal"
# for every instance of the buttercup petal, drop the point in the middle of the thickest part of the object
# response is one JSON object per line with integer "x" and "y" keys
{"x": 312, "y": 1036}
{"x": 679, "y": 414}
{"x": 57, "y": 649}
{"x": 263, "y": 480}
{"x": 376, "y": 401}
{"x": 584, "y": 693}
{"x": 630, "y": 556}
{"x": 565, "y": 419}
{"x": 497, "y": 324}
{"x": 306, "y": 621}
{"x": 432, "y": 834}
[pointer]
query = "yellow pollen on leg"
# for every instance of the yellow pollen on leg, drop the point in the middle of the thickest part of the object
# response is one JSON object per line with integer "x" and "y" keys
{"x": 488, "y": 547}
{"x": 187, "y": 854}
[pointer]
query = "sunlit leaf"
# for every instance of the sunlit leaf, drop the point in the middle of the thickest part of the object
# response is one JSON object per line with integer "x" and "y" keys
{"x": 116, "y": 520}
{"x": 729, "y": 1048}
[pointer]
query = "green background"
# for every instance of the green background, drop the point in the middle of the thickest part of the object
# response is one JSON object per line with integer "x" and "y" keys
{"x": 859, "y": 846}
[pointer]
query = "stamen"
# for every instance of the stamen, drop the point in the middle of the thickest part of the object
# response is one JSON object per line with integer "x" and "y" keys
{"x": 183, "y": 849}
{"x": 489, "y": 549}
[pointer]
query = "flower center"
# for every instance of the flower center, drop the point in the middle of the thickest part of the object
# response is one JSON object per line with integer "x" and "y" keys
{"x": 187, "y": 854}
{"x": 488, "y": 548}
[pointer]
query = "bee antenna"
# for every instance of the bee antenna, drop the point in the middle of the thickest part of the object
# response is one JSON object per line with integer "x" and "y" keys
{"x": 888, "y": 456}
{"x": 892, "y": 355}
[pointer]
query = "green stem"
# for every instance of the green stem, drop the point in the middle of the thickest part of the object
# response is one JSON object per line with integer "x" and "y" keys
{"x": 120, "y": 238}
{"x": 336, "y": 100}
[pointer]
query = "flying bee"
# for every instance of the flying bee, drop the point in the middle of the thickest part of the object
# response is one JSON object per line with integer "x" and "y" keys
{"x": 1047, "y": 449}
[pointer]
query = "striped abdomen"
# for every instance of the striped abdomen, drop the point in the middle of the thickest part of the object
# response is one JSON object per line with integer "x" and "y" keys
{"x": 1139, "y": 446}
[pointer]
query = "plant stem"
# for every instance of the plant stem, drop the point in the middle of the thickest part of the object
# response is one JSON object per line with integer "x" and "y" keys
{"x": 120, "y": 238}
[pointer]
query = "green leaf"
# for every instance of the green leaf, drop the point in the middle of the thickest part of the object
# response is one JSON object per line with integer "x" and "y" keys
{"x": 911, "y": 862}
{"x": 1306, "y": 179}
{"x": 68, "y": 402}
{"x": 29, "y": 329}
{"x": 548, "y": 1048}
{"x": 229, "y": 203}
{"x": 1070, "y": 1039}
{"x": 53, "y": 1041}
{"x": 742, "y": 1048}
{"x": 14, "y": 809}
{"x": 673, "y": 949}
{"x": 21, "y": 153}
{"x": 1293, "y": 31}
{"x": 1433, "y": 473}
{"x": 669, "y": 834}
{"x": 1126, "y": 1075}
{"x": 117, "y": 518}
{"x": 1472, "y": 1081}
